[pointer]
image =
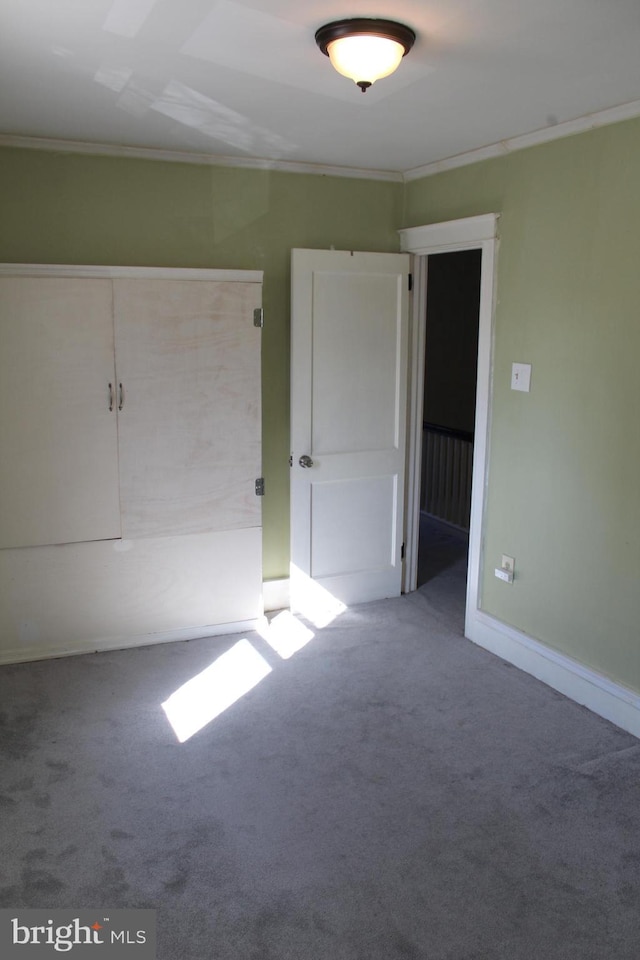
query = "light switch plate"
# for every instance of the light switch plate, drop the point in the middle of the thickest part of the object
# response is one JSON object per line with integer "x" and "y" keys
{"x": 521, "y": 377}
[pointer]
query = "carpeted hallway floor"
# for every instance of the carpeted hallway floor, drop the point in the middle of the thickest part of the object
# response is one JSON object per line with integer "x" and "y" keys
{"x": 391, "y": 791}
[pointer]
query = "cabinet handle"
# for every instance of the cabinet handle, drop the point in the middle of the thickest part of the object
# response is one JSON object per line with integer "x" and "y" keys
{"x": 110, "y": 397}
{"x": 121, "y": 394}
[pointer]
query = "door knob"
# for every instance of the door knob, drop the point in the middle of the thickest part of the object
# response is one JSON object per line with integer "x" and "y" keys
{"x": 305, "y": 461}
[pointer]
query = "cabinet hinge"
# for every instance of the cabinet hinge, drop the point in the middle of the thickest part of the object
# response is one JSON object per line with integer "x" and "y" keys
{"x": 260, "y": 487}
{"x": 410, "y": 278}
{"x": 402, "y": 552}
{"x": 291, "y": 460}
{"x": 258, "y": 317}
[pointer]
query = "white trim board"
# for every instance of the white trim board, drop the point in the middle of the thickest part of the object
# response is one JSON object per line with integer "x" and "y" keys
{"x": 88, "y": 271}
{"x": 415, "y": 415}
{"x": 591, "y": 121}
{"x": 608, "y": 699}
{"x": 449, "y": 235}
{"x": 200, "y": 159}
{"x": 275, "y": 595}
{"x": 107, "y": 644}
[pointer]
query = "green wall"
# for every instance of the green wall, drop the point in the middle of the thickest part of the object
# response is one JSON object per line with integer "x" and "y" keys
{"x": 563, "y": 486}
{"x": 564, "y": 460}
{"x": 67, "y": 208}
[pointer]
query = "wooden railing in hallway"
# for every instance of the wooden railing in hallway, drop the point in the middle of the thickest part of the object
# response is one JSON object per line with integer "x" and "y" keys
{"x": 447, "y": 459}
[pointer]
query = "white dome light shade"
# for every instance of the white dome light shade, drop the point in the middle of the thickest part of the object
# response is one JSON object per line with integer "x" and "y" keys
{"x": 365, "y": 49}
{"x": 365, "y": 59}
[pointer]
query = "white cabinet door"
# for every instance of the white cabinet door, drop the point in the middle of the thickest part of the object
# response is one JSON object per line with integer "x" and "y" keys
{"x": 188, "y": 359}
{"x": 348, "y": 411}
{"x": 58, "y": 437}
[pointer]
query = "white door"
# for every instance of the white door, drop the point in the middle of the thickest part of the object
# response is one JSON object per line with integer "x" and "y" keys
{"x": 348, "y": 424}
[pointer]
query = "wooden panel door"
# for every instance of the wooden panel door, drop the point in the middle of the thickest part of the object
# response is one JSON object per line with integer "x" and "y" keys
{"x": 348, "y": 410}
{"x": 58, "y": 435}
{"x": 188, "y": 359}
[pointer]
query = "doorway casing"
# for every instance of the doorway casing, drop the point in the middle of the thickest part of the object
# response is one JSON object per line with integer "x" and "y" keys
{"x": 471, "y": 233}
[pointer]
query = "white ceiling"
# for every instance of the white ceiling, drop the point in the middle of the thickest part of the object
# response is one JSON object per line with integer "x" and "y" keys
{"x": 244, "y": 78}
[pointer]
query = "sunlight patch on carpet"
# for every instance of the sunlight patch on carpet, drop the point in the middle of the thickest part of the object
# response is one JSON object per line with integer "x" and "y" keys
{"x": 312, "y": 600}
{"x": 286, "y": 634}
{"x": 203, "y": 698}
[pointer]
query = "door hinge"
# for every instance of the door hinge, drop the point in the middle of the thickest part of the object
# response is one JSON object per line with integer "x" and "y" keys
{"x": 258, "y": 317}
{"x": 291, "y": 460}
{"x": 402, "y": 552}
{"x": 410, "y": 278}
{"x": 260, "y": 487}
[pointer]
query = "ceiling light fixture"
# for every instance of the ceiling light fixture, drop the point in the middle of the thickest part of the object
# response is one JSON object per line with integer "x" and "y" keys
{"x": 364, "y": 49}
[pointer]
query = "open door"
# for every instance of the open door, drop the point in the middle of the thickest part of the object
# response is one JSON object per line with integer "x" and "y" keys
{"x": 348, "y": 423}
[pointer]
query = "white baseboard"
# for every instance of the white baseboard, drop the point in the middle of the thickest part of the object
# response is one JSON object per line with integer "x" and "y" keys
{"x": 591, "y": 689}
{"x": 275, "y": 594}
{"x": 105, "y": 644}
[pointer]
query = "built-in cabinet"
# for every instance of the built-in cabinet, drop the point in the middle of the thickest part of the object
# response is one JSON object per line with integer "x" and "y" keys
{"x": 129, "y": 452}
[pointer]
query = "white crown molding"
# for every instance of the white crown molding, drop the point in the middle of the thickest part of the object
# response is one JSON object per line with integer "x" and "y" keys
{"x": 200, "y": 159}
{"x": 591, "y": 121}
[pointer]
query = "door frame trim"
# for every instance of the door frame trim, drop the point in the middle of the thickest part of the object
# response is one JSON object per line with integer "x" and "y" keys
{"x": 470, "y": 233}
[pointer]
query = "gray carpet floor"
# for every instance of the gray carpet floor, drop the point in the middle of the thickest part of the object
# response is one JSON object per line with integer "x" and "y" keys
{"x": 391, "y": 791}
